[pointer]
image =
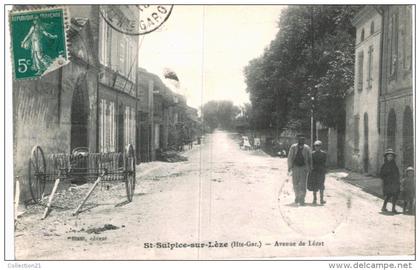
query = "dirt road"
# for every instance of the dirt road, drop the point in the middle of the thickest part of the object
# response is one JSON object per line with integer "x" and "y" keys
{"x": 223, "y": 203}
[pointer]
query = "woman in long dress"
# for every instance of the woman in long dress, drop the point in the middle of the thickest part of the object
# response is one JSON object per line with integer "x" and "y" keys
{"x": 390, "y": 176}
{"x": 316, "y": 178}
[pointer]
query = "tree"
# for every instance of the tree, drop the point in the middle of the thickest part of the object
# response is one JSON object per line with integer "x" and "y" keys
{"x": 308, "y": 65}
{"x": 219, "y": 114}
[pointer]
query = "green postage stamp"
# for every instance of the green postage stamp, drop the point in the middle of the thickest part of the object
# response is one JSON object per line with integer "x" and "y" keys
{"x": 39, "y": 43}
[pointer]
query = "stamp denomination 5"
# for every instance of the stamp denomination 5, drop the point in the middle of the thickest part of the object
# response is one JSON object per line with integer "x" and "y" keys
{"x": 39, "y": 42}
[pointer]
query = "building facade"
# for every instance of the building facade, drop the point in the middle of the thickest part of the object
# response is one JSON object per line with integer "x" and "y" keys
{"x": 396, "y": 95}
{"x": 145, "y": 85}
{"x": 117, "y": 92}
{"x": 379, "y": 110}
{"x": 155, "y": 110}
{"x": 90, "y": 102}
{"x": 365, "y": 122}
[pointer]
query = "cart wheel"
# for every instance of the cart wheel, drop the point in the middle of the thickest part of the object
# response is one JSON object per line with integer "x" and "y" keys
{"x": 130, "y": 169}
{"x": 37, "y": 176}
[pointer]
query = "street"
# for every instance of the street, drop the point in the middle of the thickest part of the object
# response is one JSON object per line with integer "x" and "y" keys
{"x": 226, "y": 196}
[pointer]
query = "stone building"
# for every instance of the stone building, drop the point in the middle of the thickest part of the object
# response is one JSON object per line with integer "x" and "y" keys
{"x": 162, "y": 100}
{"x": 363, "y": 153}
{"x": 396, "y": 95}
{"x": 379, "y": 110}
{"x": 117, "y": 93}
{"x": 89, "y": 102}
{"x": 155, "y": 109}
{"x": 145, "y": 84}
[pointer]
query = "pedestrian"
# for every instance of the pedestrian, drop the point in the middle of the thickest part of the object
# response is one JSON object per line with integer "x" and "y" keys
{"x": 246, "y": 144}
{"x": 299, "y": 163}
{"x": 257, "y": 143}
{"x": 390, "y": 176}
{"x": 316, "y": 177}
{"x": 408, "y": 190}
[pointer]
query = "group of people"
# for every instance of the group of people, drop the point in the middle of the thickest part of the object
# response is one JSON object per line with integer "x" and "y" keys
{"x": 250, "y": 143}
{"x": 308, "y": 168}
{"x": 393, "y": 188}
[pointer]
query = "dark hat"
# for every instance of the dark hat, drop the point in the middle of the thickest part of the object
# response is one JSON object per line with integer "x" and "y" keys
{"x": 389, "y": 151}
{"x": 300, "y": 135}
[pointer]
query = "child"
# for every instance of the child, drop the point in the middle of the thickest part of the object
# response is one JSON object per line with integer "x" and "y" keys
{"x": 407, "y": 190}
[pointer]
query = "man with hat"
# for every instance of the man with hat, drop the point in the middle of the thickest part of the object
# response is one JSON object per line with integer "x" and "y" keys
{"x": 390, "y": 176}
{"x": 299, "y": 163}
{"x": 316, "y": 177}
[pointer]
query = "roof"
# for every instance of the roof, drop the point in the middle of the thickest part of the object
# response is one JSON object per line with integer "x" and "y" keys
{"x": 159, "y": 87}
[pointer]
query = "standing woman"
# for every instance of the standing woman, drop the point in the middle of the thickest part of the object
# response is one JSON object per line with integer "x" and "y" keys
{"x": 316, "y": 177}
{"x": 390, "y": 180}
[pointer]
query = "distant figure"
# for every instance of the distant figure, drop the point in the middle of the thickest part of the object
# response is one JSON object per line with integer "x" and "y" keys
{"x": 300, "y": 163}
{"x": 408, "y": 190}
{"x": 191, "y": 143}
{"x": 257, "y": 143}
{"x": 390, "y": 176}
{"x": 246, "y": 144}
{"x": 316, "y": 178}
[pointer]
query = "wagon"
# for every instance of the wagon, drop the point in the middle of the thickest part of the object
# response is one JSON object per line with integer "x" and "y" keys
{"x": 80, "y": 166}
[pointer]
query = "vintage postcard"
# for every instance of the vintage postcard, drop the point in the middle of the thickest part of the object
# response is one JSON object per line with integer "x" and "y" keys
{"x": 212, "y": 132}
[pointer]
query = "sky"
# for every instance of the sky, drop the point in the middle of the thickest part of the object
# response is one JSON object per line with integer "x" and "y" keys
{"x": 208, "y": 47}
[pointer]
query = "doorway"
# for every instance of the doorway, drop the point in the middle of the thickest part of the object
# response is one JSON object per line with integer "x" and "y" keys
{"x": 121, "y": 133}
{"x": 79, "y": 117}
{"x": 366, "y": 143}
{"x": 408, "y": 139}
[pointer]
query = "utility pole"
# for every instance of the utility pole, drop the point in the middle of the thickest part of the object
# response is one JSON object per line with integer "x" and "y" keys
{"x": 312, "y": 121}
{"x": 313, "y": 88}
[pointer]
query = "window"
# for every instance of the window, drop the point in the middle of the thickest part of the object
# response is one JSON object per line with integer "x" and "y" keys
{"x": 112, "y": 129}
{"x": 103, "y": 54}
{"x": 106, "y": 126}
{"x": 129, "y": 126}
{"x": 372, "y": 27}
{"x": 356, "y": 133}
{"x": 407, "y": 38}
{"x": 101, "y": 126}
{"x": 121, "y": 53}
{"x": 362, "y": 35}
{"x": 108, "y": 51}
{"x": 369, "y": 75}
{"x": 393, "y": 42}
{"x": 360, "y": 71}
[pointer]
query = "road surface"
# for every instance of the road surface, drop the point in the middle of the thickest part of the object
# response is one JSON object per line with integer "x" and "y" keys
{"x": 223, "y": 203}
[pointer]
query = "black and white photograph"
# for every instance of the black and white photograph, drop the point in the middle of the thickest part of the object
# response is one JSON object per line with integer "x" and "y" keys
{"x": 210, "y": 132}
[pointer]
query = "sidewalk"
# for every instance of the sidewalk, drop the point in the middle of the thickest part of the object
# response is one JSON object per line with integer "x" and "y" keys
{"x": 369, "y": 184}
